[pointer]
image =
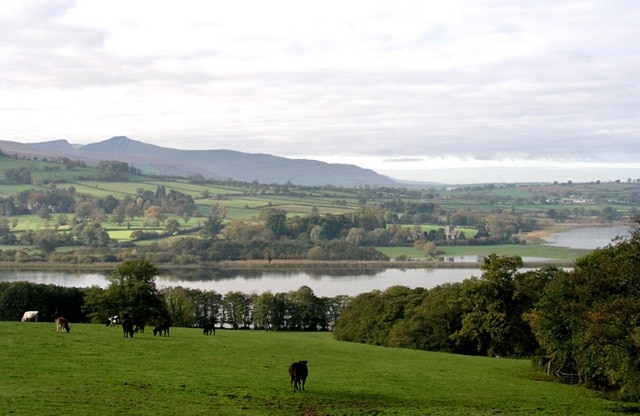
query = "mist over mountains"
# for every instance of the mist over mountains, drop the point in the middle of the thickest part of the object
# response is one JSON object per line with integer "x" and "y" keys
{"x": 217, "y": 164}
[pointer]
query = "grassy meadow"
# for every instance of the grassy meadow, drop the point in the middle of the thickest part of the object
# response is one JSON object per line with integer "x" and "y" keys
{"x": 522, "y": 250}
{"x": 93, "y": 370}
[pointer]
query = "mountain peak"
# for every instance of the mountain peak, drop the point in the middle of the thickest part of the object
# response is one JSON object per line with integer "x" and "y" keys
{"x": 119, "y": 145}
{"x": 213, "y": 164}
{"x": 60, "y": 145}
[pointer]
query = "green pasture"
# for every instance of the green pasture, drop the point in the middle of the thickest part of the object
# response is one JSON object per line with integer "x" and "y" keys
{"x": 522, "y": 250}
{"x": 468, "y": 231}
{"x": 93, "y": 370}
{"x": 116, "y": 189}
{"x": 12, "y": 190}
{"x": 32, "y": 222}
{"x": 410, "y": 252}
{"x": 241, "y": 213}
{"x": 48, "y": 171}
{"x": 120, "y": 235}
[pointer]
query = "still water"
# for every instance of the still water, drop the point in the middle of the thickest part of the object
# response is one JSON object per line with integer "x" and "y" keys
{"x": 323, "y": 282}
{"x": 588, "y": 237}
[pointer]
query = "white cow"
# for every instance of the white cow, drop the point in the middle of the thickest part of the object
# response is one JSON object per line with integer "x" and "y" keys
{"x": 30, "y": 316}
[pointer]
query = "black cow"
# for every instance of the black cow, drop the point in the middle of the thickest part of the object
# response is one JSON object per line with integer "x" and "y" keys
{"x": 161, "y": 328}
{"x": 209, "y": 329}
{"x": 298, "y": 372}
{"x": 127, "y": 326}
{"x": 138, "y": 327}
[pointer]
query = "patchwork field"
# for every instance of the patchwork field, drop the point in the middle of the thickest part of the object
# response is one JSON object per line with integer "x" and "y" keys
{"x": 93, "y": 370}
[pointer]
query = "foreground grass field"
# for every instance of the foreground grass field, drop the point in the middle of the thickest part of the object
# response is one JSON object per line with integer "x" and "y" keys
{"x": 95, "y": 371}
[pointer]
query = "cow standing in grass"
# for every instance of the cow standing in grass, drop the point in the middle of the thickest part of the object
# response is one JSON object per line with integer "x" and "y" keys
{"x": 30, "y": 316}
{"x": 209, "y": 329}
{"x": 62, "y": 325}
{"x": 162, "y": 328}
{"x": 298, "y": 373}
{"x": 127, "y": 326}
{"x": 113, "y": 321}
{"x": 139, "y": 326}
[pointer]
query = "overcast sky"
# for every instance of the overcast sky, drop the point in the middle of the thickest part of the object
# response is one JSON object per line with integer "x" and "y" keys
{"x": 398, "y": 86}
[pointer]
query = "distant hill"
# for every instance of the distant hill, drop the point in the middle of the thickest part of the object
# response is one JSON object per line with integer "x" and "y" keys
{"x": 211, "y": 164}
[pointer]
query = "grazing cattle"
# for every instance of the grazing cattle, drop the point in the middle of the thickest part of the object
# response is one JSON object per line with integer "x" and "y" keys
{"x": 209, "y": 329}
{"x": 161, "y": 328}
{"x": 62, "y": 325}
{"x": 30, "y": 316}
{"x": 127, "y": 326}
{"x": 139, "y": 327}
{"x": 113, "y": 321}
{"x": 298, "y": 372}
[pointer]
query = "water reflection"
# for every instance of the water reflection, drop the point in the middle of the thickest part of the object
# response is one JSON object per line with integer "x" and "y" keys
{"x": 66, "y": 279}
{"x": 480, "y": 259}
{"x": 217, "y": 275}
{"x": 322, "y": 282}
{"x": 329, "y": 282}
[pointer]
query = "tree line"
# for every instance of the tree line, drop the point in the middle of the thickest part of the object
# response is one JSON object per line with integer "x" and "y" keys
{"x": 584, "y": 321}
{"x": 132, "y": 291}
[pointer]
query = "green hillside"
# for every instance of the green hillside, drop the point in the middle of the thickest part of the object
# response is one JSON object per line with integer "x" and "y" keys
{"x": 93, "y": 370}
{"x": 508, "y": 213}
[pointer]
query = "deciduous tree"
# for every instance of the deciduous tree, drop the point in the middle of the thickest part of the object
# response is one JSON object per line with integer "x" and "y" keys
{"x": 132, "y": 291}
{"x": 492, "y": 313}
{"x": 589, "y": 319}
{"x": 214, "y": 222}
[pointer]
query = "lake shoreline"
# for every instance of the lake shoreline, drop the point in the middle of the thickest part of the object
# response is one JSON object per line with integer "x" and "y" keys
{"x": 533, "y": 237}
{"x": 275, "y": 265}
{"x": 539, "y": 236}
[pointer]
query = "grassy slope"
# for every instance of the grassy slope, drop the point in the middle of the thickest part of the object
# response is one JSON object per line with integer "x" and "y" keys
{"x": 528, "y": 250}
{"x": 93, "y": 371}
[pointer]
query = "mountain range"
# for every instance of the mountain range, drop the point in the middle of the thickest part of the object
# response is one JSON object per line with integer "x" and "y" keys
{"x": 218, "y": 164}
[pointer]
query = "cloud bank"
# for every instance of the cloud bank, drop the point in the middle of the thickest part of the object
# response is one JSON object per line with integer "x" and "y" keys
{"x": 477, "y": 80}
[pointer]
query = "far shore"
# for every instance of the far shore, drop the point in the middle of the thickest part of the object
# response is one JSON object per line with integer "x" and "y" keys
{"x": 537, "y": 236}
{"x": 274, "y": 265}
{"x": 534, "y": 237}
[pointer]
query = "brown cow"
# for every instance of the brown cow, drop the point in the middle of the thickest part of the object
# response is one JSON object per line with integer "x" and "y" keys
{"x": 62, "y": 325}
{"x": 298, "y": 372}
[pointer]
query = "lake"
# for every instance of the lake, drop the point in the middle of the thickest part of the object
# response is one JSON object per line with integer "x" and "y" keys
{"x": 587, "y": 237}
{"x": 324, "y": 283}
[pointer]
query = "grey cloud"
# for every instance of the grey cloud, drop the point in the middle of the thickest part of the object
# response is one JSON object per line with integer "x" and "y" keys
{"x": 45, "y": 9}
{"x": 403, "y": 159}
{"x": 570, "y": 90}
